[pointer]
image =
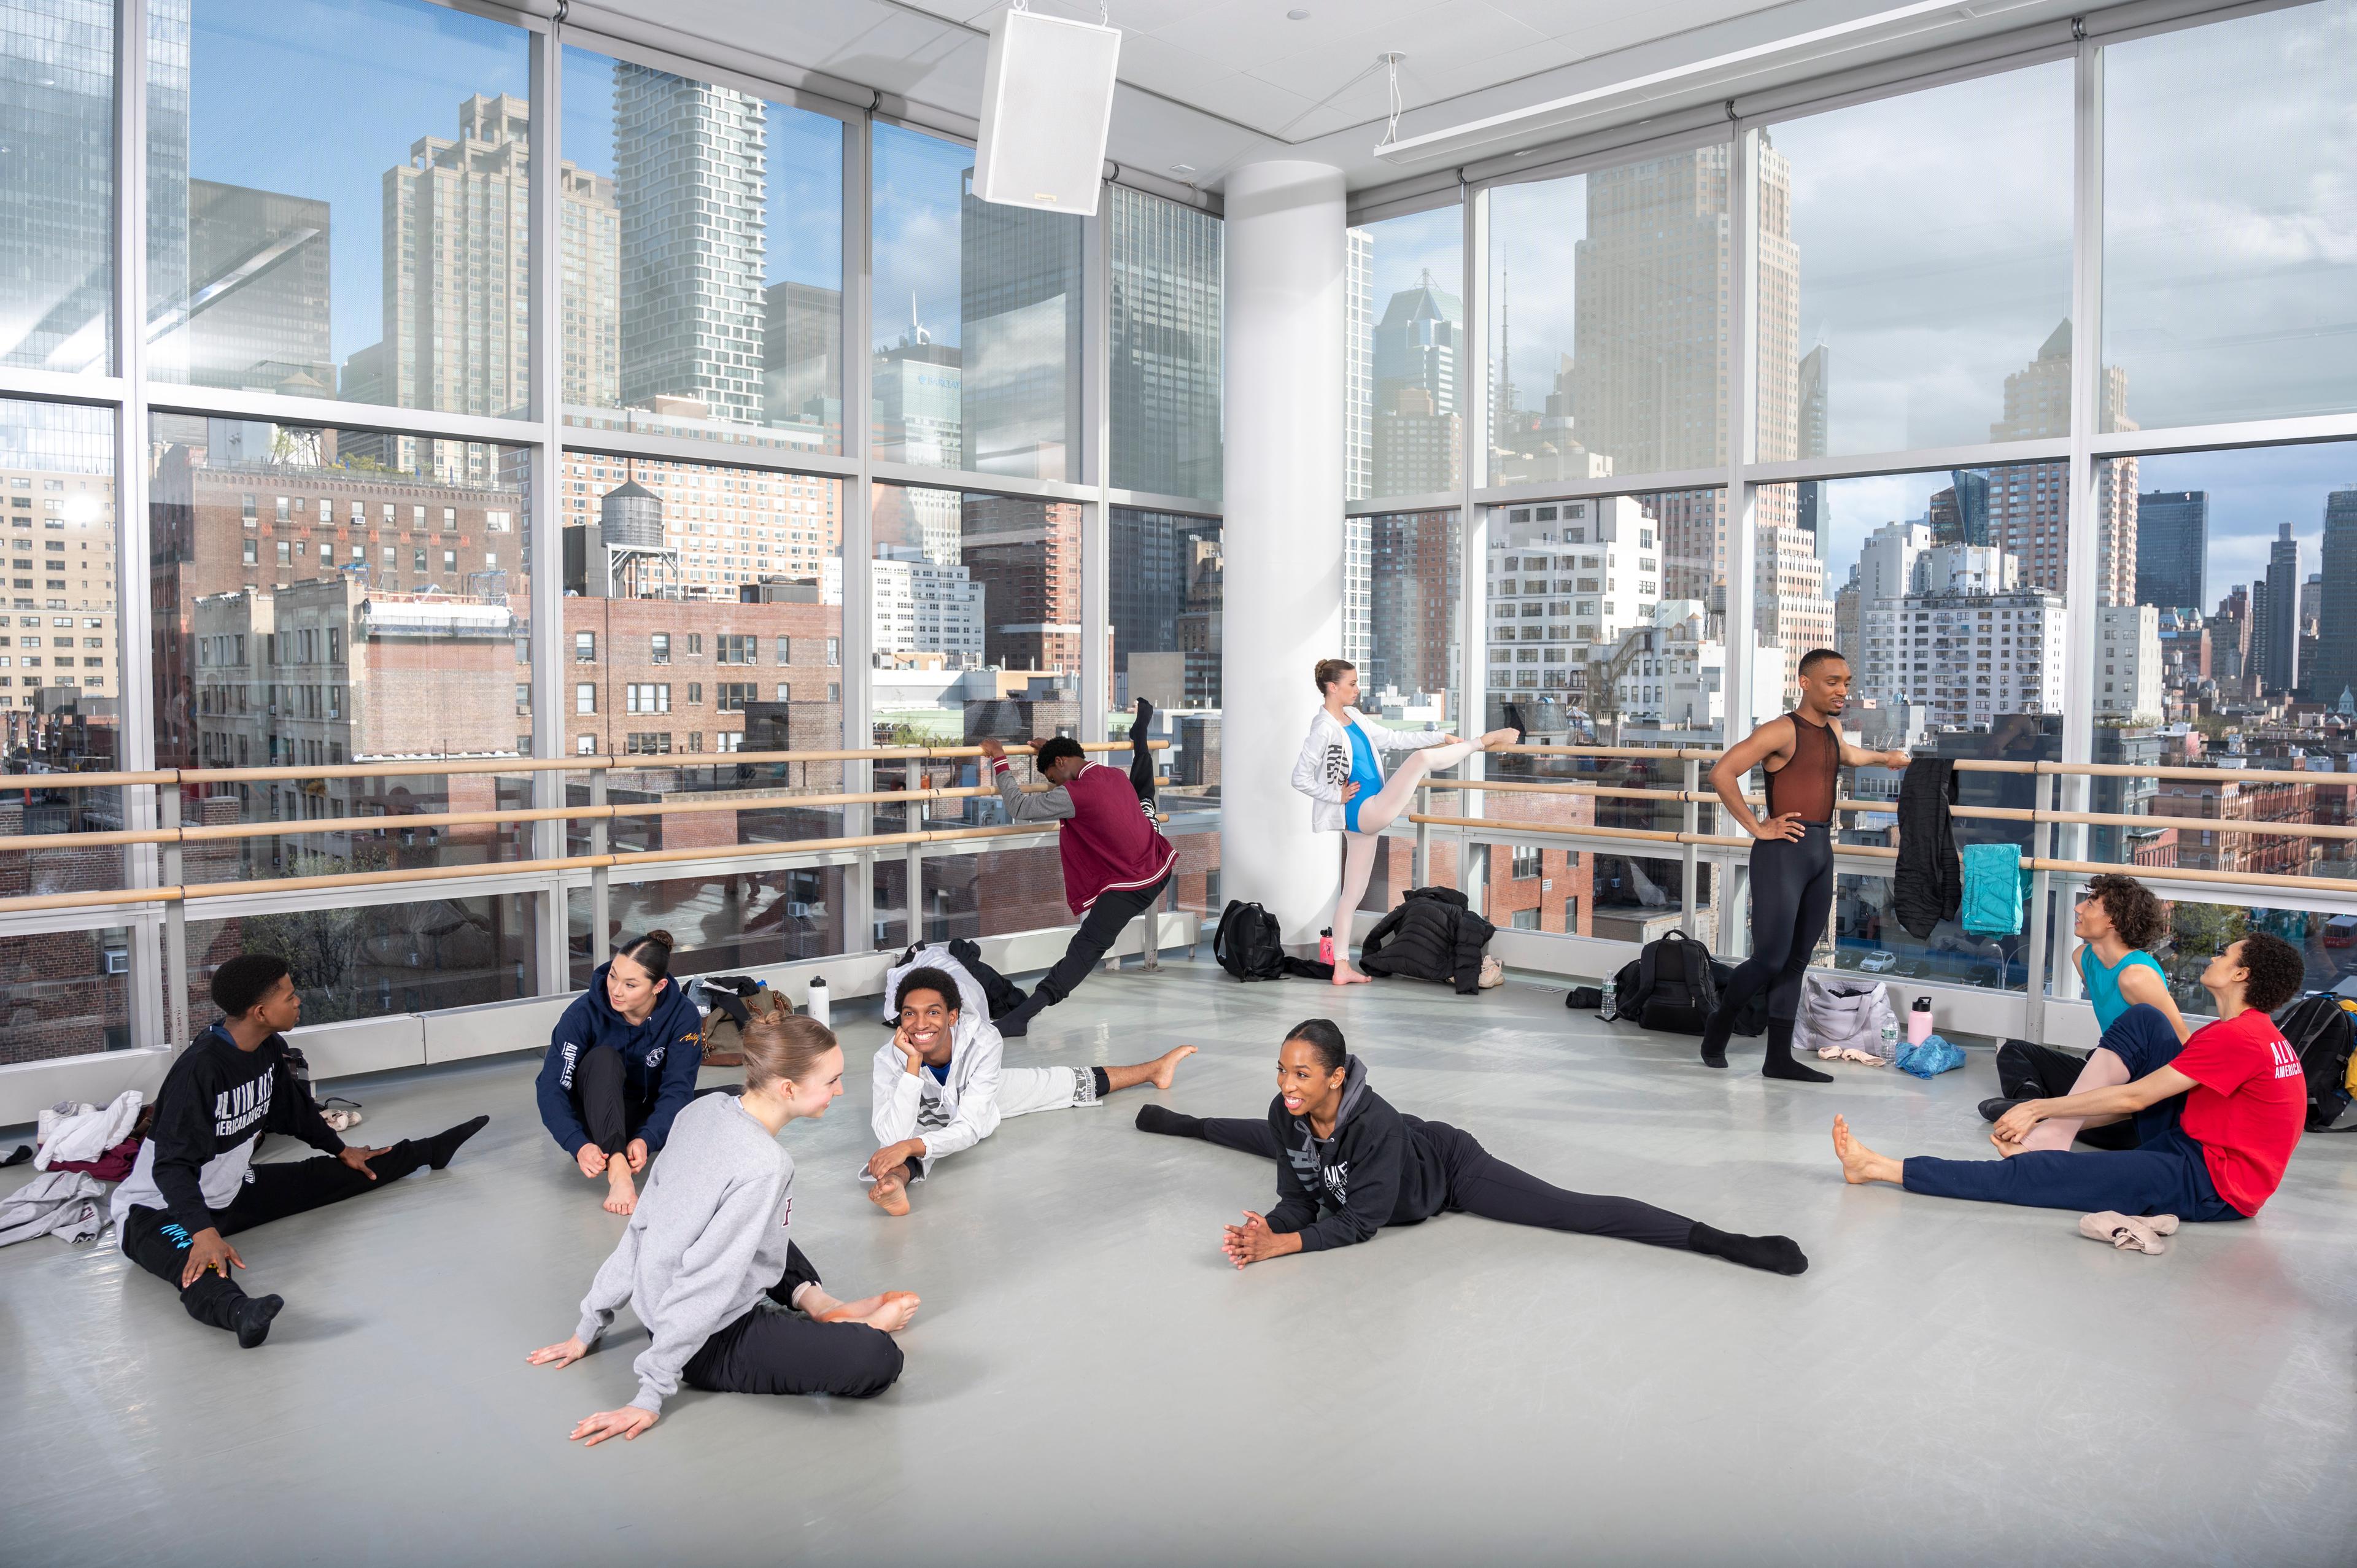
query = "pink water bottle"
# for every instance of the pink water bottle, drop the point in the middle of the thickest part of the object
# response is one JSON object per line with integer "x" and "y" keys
{"x": 1918, "y": 1021}
{"x": 1326, "y": 945}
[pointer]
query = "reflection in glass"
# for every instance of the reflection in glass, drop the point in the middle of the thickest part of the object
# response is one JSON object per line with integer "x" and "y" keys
{"x": 63, "y": 994}
{"x": 703, "y": 260}
{"x": 1927, "y": 265}
{"x": 1403, "y": 402}
{"x": 725, "y": 925}
{"x": 56, "y": 182}
{"x": 369, "y": 961}
{"x": 380, "y": 256}
{"x": 325, "y": 599}
{"x": 61, "y": 654}
{"x": 977, "y": 319}
{"x": 1413, "y": 573}
{"x": 1613, "y": 366}
{"x": 2230, "y": 262}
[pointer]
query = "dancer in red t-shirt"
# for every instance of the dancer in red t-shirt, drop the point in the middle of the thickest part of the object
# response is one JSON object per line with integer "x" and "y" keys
{"x": 2216, "y": 1117}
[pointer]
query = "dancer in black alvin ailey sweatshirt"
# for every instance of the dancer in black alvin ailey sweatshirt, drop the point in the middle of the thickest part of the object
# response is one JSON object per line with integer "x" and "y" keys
{"x": 1348, "y": 1164}
{"x": 196, "y": 1184}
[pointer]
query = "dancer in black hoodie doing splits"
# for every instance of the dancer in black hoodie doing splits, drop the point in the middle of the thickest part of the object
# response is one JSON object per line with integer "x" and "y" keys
{"x": 1348, "y": 1164}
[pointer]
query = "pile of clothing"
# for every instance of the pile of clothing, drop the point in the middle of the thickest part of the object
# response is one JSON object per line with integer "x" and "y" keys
{"x": 1435, "y": 935}
{"x": 82, "y": 1150}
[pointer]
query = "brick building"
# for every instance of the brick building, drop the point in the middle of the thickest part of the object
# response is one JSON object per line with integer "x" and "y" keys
{"x": 1025, "y": 556}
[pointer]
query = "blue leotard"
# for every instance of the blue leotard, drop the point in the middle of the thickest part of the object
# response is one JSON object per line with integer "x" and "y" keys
{"x": 1365, "y": 772}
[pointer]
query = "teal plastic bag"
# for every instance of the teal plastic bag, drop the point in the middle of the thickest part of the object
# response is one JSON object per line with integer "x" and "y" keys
{"x": 1992, "y": 903}
{"x": 1933, "y": 1058}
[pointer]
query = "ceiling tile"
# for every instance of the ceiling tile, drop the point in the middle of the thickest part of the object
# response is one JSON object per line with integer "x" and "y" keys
{"x": 1246, "y": 33}
{"x": 1441, "y": 38}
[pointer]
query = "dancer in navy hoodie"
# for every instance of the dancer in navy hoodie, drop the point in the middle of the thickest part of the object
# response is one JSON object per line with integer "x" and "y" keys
{"x": 1349, "y": 1166}
{"x": 621, "y": 1063}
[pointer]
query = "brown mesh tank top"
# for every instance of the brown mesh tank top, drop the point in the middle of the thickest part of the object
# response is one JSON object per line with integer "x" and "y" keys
{"x": 1809, "y": 783}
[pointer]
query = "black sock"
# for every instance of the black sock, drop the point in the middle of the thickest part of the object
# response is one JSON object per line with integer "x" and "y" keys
{"x": 1152, "y": 1118}
{"x": 1143, "y": 719}
{"x": 1777, "y": 1255}
{"x": 249, "y": 1316}
{"x": 1780, "y": 1062}
{"x": 443, "y": 1145}
{"x": 1714, "y": 1032}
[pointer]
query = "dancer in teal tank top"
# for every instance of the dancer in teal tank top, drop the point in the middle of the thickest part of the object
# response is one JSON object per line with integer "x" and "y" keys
{"x": 2114, "y": 923}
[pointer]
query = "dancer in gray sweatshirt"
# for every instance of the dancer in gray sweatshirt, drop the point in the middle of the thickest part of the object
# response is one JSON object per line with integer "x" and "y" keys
{"x": 708, "y": 1262}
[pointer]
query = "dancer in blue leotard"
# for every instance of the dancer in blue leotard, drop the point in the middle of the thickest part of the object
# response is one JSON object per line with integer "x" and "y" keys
{"x": 1341, "y": 769}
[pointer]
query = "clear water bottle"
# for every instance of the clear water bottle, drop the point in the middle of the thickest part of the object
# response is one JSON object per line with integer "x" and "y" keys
{"x": 1890, "y": 1038}
{"x": 817, "y": 1004}
{"x": 1611, "y": 1008}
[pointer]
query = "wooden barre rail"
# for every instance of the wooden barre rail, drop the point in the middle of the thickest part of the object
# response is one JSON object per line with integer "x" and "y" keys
{"x": 190, "y": 892}
{"x": 604, "y": 761}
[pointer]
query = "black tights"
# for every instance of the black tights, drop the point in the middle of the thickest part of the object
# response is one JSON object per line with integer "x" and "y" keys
{"x": 602, "y": 1093}
{"x": 767, "y": 1352}
{"x": 152, "y": 1240}
{"x": 1792, "y": 898}
{"x": 1480, "y": 1183}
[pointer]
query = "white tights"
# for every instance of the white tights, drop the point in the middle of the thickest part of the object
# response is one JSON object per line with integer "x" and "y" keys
{"x": 1375, "y": 816}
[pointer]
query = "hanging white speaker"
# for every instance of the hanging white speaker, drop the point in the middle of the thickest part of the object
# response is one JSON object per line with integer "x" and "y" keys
{"x": 1047, "y": 104}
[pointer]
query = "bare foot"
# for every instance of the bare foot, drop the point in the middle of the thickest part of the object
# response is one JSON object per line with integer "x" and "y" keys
{"x": 2007, "y": 1150}
{"x": 1859, "y": 1164}
{"x": 621, "y": 1197}
{"x": 890, "y": 1194}
{"x": 1345, "y": 975}
{"x": 889, "y": 1312}
{"x": 1166, "y": 1066}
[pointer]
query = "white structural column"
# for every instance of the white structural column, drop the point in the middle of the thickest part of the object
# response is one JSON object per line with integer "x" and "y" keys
{"x": 1283, "y": 534}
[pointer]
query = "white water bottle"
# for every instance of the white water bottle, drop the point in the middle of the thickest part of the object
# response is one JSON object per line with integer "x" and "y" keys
{"x": 815, "y": 1003}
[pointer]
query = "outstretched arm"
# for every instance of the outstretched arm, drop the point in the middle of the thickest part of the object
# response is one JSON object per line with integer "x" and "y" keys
{"x": 1050, "y": 806}
{"x": 1859, "y": 757}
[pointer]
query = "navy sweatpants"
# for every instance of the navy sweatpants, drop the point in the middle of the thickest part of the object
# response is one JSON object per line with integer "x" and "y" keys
{"x": 2164, "y": 1173}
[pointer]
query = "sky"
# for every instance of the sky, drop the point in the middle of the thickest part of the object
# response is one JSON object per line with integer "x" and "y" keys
{"x": 360, "y": 80}
{"x": 920, "y": 185}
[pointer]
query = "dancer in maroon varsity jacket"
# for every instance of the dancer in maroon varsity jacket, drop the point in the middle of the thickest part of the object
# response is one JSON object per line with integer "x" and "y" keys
{"x": 1116, "y": 864}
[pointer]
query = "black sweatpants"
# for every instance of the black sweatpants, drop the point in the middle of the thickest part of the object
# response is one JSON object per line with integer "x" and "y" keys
{"x": 1480, "y": 1183}
{"x": 1792, "y": 898}
{"x": 152, "y": 1240}
{"x": 601, "y": 1092}
{"x": 767, "y": 1352}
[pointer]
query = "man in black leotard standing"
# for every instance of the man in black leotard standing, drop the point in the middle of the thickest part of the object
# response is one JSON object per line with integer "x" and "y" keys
{"x": 1803, "y": 753}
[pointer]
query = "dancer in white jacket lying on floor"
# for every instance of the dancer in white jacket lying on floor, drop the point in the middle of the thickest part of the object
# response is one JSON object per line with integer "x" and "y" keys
{"x": 940, "y": 1086}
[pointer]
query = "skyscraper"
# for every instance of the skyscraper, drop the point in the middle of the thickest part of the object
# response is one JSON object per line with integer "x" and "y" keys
{"x": 802, "y": 356}
{"x": 2172, "y": 548}
{"x": 1027, "y": 556}
{"x": 2029, "y": 502}
{"x": 2336, "y": 630}
{"x": 457, "y": 267}
{"x": 1417, "y": 344}
{"x": 919, "y": 402}
{"x": 1358, "y": 367}
{"x": 1814, "y": 395}
{"x": 1645, "y": 377}
{"x": 1166, "y": 261}
{"x": 1019, "y": 292}
{"x": 2280, "y": 669}
{"x": 1415, "y": 578}
{"x": 690, "y": 177}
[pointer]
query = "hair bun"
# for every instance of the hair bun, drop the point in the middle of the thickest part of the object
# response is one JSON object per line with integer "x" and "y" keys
{"x": 664, "y": 937}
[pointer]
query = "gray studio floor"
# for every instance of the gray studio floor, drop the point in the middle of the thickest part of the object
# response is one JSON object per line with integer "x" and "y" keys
{"x": 1090, "y": 1382}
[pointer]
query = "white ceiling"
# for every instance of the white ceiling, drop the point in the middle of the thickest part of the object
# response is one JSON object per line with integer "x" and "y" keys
{"x": 1208, "y": 84}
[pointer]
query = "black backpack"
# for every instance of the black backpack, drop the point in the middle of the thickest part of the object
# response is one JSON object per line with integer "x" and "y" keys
{"x": 2320, "y": 1031}
{"x": 1248, "y": 943}
{"x": 1668, "y": 986}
